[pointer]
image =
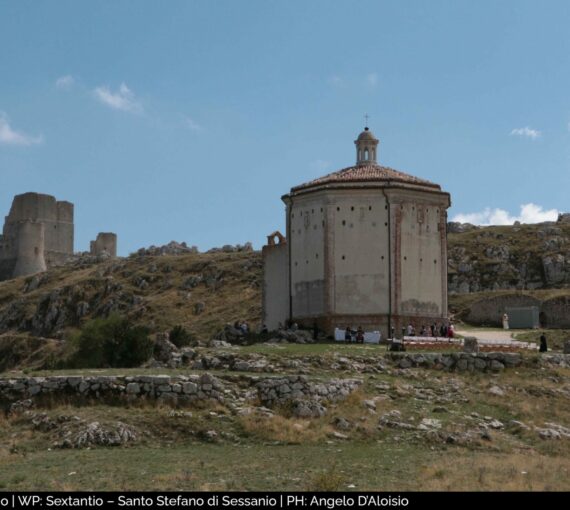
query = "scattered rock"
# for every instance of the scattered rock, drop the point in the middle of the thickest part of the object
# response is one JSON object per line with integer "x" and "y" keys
{"x": 96, "y": 434}
{"x": 495, "y": 390}
{"x": 429, "y": 423}
{"x": 342, "y": 424}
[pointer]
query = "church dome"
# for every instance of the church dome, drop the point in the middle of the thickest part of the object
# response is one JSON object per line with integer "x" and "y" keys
{"x": 366, "y": 135}
{"x": 367, "y": 172}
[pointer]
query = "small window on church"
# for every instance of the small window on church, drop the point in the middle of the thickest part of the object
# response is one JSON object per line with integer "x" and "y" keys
{"x": 316, "y": 255}
{"x": 321, "y": 209}
{"x": 296, "y": 264}
{"x": 421, "y": 260}
{"x": 343, "y": 257}
{"x": 344, "y": 222}
{"x": 352, "y": 208}
{"x": 323, "y": 223}
{"x": 385, "y": 223}
{"x": 338, "y": 208}
{"x": 434, "y": 261}
{"x": 386, "y": 207}
{"x": 370, "y": 208}
{"x": 312, "y": 211}
{"x": 293, "y": 215}
{"x": 405, "y": 258}
{"x": 382, "y": 257}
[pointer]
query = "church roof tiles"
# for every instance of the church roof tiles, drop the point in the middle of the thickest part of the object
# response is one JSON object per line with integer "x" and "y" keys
{"x": 365, "y": 174}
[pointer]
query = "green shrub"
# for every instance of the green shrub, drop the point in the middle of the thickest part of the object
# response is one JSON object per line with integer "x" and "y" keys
{"x": 111, "y": 342}
{"x": 180, "y": 337}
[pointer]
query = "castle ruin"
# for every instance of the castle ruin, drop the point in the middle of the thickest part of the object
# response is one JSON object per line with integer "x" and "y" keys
{"x": 38, "y": 233}
{"x": 105, "y": 244}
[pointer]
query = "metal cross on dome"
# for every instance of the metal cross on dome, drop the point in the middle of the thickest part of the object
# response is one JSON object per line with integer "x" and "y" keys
{"x": 366, "y": 119}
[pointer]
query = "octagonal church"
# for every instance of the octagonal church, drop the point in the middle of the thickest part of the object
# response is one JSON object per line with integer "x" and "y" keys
{"x": 364, "y": 246}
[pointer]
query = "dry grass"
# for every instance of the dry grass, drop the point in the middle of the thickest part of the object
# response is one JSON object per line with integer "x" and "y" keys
{"x": 285, "y": 430}
{"x": 230, "y": 289}
{"x": 494, "y": 472}
{"x": 330, "y": 480}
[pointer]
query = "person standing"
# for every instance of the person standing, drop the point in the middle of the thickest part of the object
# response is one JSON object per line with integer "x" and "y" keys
{"x": 543, "y": 347}
{"x": 348, "y": 334}
{"x": 359, "y": 335}
{"x": 505, "y": 321}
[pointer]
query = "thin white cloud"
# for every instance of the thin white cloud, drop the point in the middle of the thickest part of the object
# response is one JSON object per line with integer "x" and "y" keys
{"x": 9, "y": 136}
{"x": 123, "y": 99}
{"x": 372, "y": 79}
{"x": 65, "y": 82}
{"x": 336, "y": 81}
{"x": 526, "y": 132}
{"x": 192, "y": 124}
{"x": 530, "y": 213}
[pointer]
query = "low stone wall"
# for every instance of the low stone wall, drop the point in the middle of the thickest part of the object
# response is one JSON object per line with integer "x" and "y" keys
{"x": 175, "y": 390}
{"x": 558, "y": 360}
{"x": 280, "y": 390}
{"x": 180, "y": 389}
{"x": 476, "y": 362}
{"x": 461, "y": 361}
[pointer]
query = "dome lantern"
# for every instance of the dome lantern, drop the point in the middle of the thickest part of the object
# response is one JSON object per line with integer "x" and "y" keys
{"x": 366, "y": 148}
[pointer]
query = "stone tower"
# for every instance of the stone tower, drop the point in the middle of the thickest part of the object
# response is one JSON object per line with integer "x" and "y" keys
{"x": 105, "y": 244}
{"x": 365, "y": 246}
{"x": 38, "y": 233}
{"x": 30, "y": 249}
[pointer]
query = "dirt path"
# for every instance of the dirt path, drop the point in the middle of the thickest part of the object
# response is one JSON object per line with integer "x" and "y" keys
{"x": 504, "y": 336}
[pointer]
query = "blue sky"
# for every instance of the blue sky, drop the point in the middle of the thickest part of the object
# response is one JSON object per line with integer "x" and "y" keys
{"x": 188, "y": 120}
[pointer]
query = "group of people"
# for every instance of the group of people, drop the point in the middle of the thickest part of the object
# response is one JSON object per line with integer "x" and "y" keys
{"x": 243, "y": 326}
{"x": 435, "y": 330}
{"x": 356, "y": 336}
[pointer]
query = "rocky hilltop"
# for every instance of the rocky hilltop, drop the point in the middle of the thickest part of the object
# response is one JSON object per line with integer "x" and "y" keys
{"x": 521, "y": 257}
{"x": 170, "y": 285}
{"x": 159, "y": 287}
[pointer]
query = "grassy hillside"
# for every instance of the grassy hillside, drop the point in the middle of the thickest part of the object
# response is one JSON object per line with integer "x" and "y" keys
{"x": 414, "y": 429}
{"x": 202, "y": 292}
